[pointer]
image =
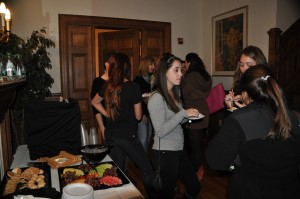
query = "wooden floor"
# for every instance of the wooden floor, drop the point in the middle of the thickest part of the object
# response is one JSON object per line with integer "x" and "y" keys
{"x": 213, "y": 185}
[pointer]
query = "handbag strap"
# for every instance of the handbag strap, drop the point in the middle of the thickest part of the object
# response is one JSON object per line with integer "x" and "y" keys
{"x": 158, "y": 152}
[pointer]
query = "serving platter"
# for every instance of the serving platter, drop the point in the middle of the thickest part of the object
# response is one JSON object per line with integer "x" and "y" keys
{"x": 102, "y": 175}
{"x": 16, "y": 182}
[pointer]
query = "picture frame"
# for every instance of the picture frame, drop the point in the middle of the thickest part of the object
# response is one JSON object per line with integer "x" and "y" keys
{"x": 229, "y": 37}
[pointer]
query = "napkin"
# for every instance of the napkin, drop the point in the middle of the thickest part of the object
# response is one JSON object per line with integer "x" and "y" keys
{"x": 62, "y": 160}
{"x": 28, "y": 197}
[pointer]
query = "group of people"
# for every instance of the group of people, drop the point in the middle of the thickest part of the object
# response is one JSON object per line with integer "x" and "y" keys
{"x": 130, "y": 117}
{"x": 261, "y": 140}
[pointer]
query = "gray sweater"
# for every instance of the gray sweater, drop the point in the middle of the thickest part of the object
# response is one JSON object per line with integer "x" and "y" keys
{"x": 166, "y": 123}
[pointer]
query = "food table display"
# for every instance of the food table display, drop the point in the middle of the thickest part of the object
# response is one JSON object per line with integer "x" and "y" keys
{"x": 119, "y": 187}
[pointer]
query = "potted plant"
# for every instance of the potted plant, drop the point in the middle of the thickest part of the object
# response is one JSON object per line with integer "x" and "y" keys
{"x": 36, "y": 61}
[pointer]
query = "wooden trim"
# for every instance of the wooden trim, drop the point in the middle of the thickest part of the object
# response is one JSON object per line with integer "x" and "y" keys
{"x": 274, "y": 38}
{"x": 7, "y": 151}
{"x": 7, "y": 95}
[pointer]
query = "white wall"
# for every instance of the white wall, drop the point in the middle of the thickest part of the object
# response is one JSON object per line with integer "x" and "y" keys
{"x": 29, "y": 15}
{"x": 288, "y": 11}
{"x": 262, "y": 16}
{"x": 190, "y": 19}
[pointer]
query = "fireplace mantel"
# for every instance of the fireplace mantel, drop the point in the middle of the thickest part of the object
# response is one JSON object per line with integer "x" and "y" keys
{"x": 7, "y": 95}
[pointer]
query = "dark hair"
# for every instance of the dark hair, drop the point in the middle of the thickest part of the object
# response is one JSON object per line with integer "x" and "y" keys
{"x": 256, "y": 54}
{"x": 118, "y": 71}
{"x": 106, "y": 58}
{"x": 196, "y": 65}
{"x": 160, "y": 84}
{"x": 261, "y": 86}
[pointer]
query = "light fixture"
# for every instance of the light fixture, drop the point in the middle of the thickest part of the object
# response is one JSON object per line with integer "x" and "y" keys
{"x": 5, "y": 19}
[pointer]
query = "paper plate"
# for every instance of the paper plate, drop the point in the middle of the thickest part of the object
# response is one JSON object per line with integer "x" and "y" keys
{"x": 197, "y": 118}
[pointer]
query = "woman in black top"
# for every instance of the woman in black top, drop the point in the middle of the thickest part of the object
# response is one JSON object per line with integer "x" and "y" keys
{"x": 99, "y": 83}
{"x": 122, "y": 111}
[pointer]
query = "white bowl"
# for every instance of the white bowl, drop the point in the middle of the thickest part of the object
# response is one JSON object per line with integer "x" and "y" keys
{"x": 78, "y": 191}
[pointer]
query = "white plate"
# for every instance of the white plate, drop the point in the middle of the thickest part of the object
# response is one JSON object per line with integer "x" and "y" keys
{"x": 197, "y": 118}
{"x": 78, "y": 191}
{"x": 146, "y": 95}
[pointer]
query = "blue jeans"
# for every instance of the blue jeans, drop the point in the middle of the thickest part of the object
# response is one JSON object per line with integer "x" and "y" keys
{"x": 145, "y": 131}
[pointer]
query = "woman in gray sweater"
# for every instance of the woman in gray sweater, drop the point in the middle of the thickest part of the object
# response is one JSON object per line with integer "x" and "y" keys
{"x": 167, "y": 115}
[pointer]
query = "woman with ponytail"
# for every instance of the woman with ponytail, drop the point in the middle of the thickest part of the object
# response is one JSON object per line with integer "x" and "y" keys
{"x": 260, "y": 142}
{"x": 122, "y": 110}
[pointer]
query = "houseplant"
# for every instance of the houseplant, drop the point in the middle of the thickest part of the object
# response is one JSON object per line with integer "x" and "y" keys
{"x": 32, "y": 54}
{"x": 36, "y": 61}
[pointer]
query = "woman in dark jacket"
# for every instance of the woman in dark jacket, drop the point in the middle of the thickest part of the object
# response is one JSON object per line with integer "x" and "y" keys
{"x": 195, "y": 87}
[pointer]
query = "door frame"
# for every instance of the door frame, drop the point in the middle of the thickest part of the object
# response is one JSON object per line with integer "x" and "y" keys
{"x": 103, "y": 23}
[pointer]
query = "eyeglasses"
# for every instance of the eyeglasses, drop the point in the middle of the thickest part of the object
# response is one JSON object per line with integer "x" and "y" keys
{"x": 249, "y": 64}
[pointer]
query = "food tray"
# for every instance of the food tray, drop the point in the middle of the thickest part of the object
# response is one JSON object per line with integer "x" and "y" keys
{"x": 120, "y": 175}
{"x": 39, "y": 192}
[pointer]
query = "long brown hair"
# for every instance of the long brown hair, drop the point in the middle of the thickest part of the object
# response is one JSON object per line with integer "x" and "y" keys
{"x": 118, "y": 71}
{"x": 144, "y": 65}
{"x": 160, "y": 84}
{"x": 250, "y": 51}
{"x": 259, "y": 83}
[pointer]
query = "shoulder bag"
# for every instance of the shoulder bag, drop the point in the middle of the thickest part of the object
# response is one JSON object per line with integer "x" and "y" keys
{"x": 215, "y": 99}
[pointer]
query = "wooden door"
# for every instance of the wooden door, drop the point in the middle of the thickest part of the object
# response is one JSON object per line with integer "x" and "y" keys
{"x": 152, "y": 43}
{"x": 77, "y": 51}
{"x": 136, "y": 44}
{"x": 125, "y": 41}
{"x": 77, "y": 77}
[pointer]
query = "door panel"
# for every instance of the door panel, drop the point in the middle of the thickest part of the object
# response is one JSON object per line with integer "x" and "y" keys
{"x": 125, "y": 41}
{"x": 152, "y": 43}
{"x": 80, "y": 67}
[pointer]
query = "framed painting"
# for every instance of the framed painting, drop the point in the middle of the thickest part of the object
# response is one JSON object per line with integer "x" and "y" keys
{"x": 228, "y": 40}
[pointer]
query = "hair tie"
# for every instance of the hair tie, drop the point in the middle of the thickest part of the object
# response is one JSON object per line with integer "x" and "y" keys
{"x": 265, "y": 78}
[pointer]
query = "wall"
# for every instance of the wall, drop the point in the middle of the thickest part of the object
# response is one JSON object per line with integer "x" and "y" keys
{"x": 262, "y": 16}
{"x": 190, "y": 19}
{"x": 288, "y": 11}
{"x": 29, "y": 15}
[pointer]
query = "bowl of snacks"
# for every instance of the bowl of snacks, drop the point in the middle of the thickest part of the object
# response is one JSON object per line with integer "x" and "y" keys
{"x": 93, "y": 154}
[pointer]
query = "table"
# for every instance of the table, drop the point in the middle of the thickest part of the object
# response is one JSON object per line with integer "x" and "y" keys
{"x": 127, "y": 191}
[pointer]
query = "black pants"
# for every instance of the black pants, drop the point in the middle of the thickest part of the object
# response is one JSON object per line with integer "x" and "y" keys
{"x": 194, "y": 145}
{"x": 175, "y": 165}
{"x": 133, "y": 149}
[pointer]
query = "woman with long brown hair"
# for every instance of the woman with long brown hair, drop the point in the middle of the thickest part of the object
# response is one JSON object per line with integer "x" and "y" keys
{"x": 167, "y": 115}
{"x": 122, "y": 111}
{"x": 250, "y": 56}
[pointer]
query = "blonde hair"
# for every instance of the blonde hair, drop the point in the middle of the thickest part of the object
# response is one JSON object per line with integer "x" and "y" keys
{"x": 144, "y": 65}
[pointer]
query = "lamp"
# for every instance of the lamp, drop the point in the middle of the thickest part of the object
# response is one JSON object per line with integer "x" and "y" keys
{"x": 5, "y": 19}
